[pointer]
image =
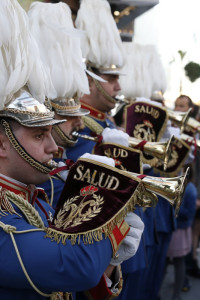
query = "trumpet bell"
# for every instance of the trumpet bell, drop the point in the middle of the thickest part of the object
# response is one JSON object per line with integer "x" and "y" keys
{"x": 193, "y": 124}
{"x": 160, "y": 150}
{"x": 190, "y": 139}
{"x": 179, "y": 118}
{"x": 171, "y": 189}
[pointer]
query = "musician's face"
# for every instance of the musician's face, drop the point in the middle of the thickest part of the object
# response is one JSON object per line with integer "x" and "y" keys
{"x": 181, "y": 104}
{"x": 37, "y": 142}
{"x": 111, "y": 86}
{"x": 72, "y": 124}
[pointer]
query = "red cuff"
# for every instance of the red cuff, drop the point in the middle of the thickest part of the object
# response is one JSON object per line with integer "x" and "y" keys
{"x": 118, "y": 234}
{"x": 102, "y": 292}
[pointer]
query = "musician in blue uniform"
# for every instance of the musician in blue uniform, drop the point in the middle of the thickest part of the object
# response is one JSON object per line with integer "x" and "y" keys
{"x": 32, "y": 266}
{"x": 68, "y": 84}
{"x": 101, "y": 34}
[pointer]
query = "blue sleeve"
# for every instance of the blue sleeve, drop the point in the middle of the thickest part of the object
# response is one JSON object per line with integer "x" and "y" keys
{"x": 51, "y": 266}
{"x": 187, "y": 210}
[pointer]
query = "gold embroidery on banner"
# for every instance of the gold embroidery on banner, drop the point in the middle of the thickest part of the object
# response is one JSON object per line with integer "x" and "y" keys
{"x": 78, "y": 214}
{"x": 145, "y": 132}
{"x": 172, "y": 162}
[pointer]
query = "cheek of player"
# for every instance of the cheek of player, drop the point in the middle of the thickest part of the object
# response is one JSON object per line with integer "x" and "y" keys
{"x": 112, "y": 87}
{"x": 72, "y": 124}
{"x": 39, "y": 143}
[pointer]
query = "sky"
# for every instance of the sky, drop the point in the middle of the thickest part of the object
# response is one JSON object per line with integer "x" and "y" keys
{"x": 173, "y": 25}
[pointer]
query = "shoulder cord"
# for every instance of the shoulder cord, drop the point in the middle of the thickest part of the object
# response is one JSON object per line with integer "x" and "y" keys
{"x": 34, "y": 219}
{"x": 92, "y": 125}
{"x": 10, "y": 230}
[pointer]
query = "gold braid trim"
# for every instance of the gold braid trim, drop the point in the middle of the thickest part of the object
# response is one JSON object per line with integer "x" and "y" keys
{"x": 27, "y": 209}
{"x": 65, "y": 107}
{"x": 97, "y": 234}
{"x": 28, "y": 158}
{"x": 31, "y": 113}
{"x": 92, "y": 125}
{"x": 63, "y": 136}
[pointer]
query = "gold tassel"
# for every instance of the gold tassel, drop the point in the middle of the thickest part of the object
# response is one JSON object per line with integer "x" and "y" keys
{"x": 62, "y": 296}
{"x": 5, "y": 205}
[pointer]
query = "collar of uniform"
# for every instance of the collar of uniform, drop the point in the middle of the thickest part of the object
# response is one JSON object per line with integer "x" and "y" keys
{"x": 94, "y": 112}
{"x": 59, "y": 153}
{"x": 15, "y": 187}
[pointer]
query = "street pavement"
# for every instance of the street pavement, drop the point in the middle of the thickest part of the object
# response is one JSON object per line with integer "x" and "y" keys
{"x": 167, "y": 287}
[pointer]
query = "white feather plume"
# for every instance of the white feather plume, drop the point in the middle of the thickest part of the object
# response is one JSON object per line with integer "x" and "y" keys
{"x": 102, "y": 43}
{"x": 60, "y": 51}
{"x": 144, "y": 71}
{"x": 14, "y": 61}
{"x": 20, "y": 63}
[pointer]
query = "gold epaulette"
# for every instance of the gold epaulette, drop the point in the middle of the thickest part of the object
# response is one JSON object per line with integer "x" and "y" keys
{"x": 92, "y": 124}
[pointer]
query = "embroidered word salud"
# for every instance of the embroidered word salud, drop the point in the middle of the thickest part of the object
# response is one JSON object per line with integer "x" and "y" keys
{"x": 100, "y": 179}
{"x": 148, "y": 110}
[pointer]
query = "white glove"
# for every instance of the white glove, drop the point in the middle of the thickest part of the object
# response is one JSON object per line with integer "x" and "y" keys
{"x": 115, "y": 136}
{"x": 169, "y": 131}
{"x": 103, "y": 159}
{"x": 64, "y": 173}
{"x": 131, "y": 242}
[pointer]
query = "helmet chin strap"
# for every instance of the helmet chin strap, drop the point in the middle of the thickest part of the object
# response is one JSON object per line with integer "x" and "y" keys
{"x": 103, "y": 92}
{"x": 64, "y": 137}
{"x": 21, "y": 151}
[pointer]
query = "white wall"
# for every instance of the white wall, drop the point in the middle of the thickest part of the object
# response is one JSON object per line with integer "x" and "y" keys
{"x": 173, "y": 25}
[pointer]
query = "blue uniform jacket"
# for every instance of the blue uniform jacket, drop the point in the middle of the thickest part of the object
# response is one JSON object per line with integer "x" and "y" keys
{"x": 188, "y": 206}
{"x": 51, "y": 266}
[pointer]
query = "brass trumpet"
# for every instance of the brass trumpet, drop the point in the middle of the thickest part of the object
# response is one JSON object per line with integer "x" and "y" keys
{"x": 171, "y": 189}
{"x": 179, "y": 118}
{"x": 182, "y": 120}
{"x": 193, "y": 124}
{"x": 160, "y": 150}
{"x": 190, "y": 140}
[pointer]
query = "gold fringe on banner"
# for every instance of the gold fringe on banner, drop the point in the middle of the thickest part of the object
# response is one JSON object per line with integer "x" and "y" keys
{"x": 96, "y": 234}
